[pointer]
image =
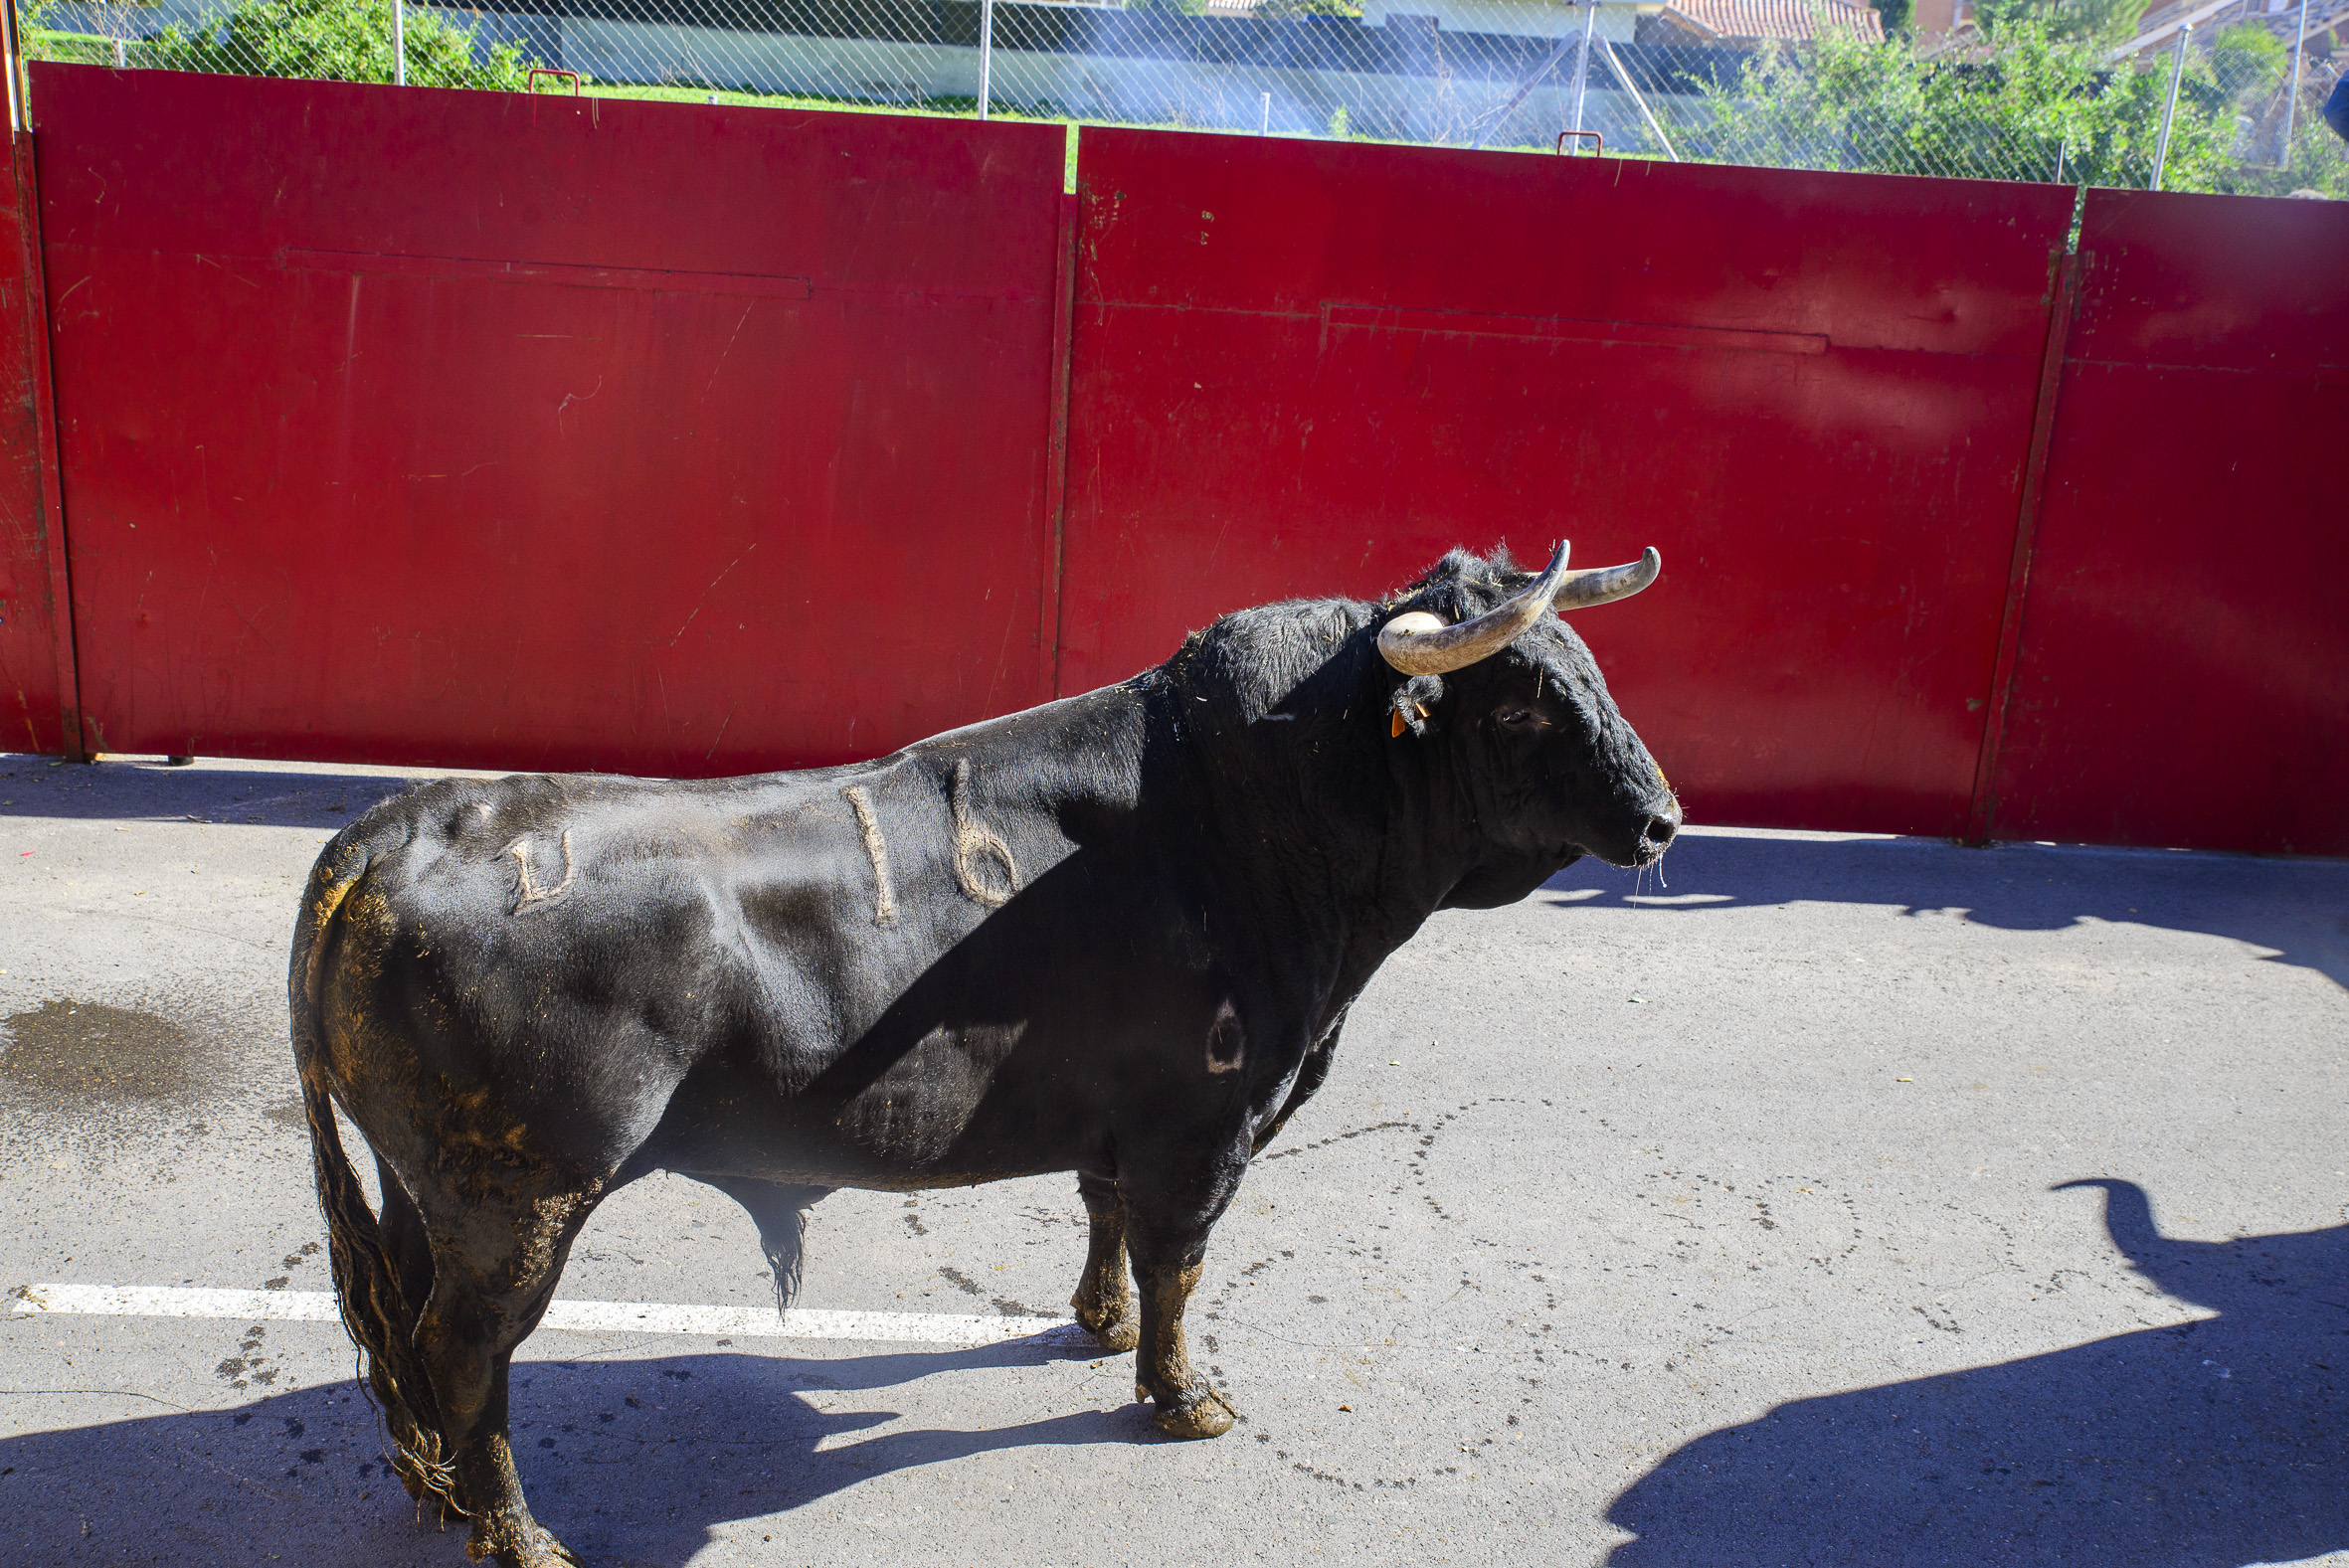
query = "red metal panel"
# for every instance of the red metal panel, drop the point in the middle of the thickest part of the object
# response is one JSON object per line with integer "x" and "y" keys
{"x": 2184, "y": 673}
{"x": 1305, "y": 367}
{"x": 480, "y": 429}
{"x": 35, "y": 643}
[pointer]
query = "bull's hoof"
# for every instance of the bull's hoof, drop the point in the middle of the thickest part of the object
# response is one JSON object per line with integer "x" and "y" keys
{"x": 517, "y": 1541}
{"x": 1117, "y": 1337}
{"x": 1108, "y": 1316}
{"x": 1195, "y": 1413}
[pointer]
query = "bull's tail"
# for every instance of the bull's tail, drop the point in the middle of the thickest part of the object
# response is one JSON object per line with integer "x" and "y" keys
{"x": 376, "y": 1310}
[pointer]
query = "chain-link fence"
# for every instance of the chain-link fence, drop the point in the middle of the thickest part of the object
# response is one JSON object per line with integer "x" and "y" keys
{"x": 2210, "y": 98}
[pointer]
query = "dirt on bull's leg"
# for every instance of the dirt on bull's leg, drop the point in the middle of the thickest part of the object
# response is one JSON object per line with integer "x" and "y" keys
{"x": 1103, "y": 1304}
{"x": 508, "y": 1535}
{"x": 1187, "y": 1406}
{"x": 495, "y": 1265}
{"x": 470, "y": 1377}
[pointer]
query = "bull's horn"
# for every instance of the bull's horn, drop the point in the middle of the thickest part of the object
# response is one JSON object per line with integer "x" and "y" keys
{"x": 1599, "y": 585}
{"x": 1420, "y": 643}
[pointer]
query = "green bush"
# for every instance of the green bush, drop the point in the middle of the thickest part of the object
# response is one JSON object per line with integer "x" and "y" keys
{"x": 336, "y": 41}
{"x": 2029, "y": 101}
{"x": 2249, "y": 60}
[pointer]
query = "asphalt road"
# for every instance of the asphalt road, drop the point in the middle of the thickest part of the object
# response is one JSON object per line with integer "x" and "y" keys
{"x": 1730, "y": 1221}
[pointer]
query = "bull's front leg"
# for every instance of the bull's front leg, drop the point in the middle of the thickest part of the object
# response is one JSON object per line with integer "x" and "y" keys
{"x": 1104, "y": 1307}
{"x": 1166, "y": 1231}
{"x": 1187, "y": 1405}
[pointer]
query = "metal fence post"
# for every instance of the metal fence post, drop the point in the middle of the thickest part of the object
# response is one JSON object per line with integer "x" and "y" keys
{"x": 987, "y": 44}
{"x": 40, "y": 402}
{"x": 2161, "y": 148}
{"x": 1582, "y": 63}
{"x": 398, "y": 43}
{"x": 10, "y": 55}
{"x": 2292, "y": 85}
{"x": 1638, "y": 100}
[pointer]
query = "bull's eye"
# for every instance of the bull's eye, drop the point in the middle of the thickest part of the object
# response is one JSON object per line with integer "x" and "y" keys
{"x": 1520, "y": 719}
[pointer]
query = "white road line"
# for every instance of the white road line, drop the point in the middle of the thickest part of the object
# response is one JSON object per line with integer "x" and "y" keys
{"x": 642, "y": 1317}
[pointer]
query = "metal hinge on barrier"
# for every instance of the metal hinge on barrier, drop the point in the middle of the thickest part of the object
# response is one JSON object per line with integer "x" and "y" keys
{"x": 1598, "y": 144}
{"x": 530, "y": 83}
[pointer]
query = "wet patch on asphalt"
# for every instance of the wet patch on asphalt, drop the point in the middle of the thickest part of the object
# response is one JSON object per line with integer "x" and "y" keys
{"x": 68, "y": 1050}
{"x": 100, "y": 1076}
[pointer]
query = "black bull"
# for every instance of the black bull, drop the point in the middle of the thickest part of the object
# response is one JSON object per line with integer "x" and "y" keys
{"x": 1116, "y": 934}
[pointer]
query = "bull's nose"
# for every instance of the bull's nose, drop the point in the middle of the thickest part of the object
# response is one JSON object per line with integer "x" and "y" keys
{"x": 1659, "y": 831}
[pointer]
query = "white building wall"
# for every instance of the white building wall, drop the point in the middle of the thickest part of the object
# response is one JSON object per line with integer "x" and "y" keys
{"x": 1516, "y": 18}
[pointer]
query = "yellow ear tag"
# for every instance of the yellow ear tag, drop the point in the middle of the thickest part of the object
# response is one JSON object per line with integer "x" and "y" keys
{"x": 1395, "y": 727}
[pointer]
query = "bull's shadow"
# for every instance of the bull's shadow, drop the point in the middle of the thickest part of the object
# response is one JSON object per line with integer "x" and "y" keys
{"x": 628, "y": 1461}
{"x": 2296, "y": 906}
{"x": 144, "y": 789}
{"x": 2218, "y": 1443}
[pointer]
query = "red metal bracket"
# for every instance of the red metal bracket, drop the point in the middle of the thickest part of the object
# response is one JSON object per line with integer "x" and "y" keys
{"x": 530, "y": 83}
{"x": 2062, "y": 305}
{"x": 1598, "y": 144}
{"x": 80, "y": 737}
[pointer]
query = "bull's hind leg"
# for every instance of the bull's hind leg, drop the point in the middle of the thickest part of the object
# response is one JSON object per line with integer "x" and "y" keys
{"x": 1167, "y": 1226}
{"x": 495, "y": 1266}
{"x": 1103, "y": 1304}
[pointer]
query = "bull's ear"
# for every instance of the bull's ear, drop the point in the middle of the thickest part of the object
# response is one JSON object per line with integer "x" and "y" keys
{"x": 1413, "y": 704}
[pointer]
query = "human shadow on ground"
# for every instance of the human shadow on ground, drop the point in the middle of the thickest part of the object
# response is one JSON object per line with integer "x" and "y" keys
{"x": 2218, "y": 1443}
{"x": 2299, "y": 907}
{"x": 626, "y": 1460}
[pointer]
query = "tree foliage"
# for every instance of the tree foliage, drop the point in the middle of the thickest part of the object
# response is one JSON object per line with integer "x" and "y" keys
{"x": 2106, "y": 22}
{"x": 337, "y": 41}
{"x": 2030, "y": 97}
{"x": 1280, "y": 10}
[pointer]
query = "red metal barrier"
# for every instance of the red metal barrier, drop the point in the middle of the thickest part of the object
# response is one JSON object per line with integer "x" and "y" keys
{"x": 2183, "y": 677}
{"x": 472, "y": 427}
{"x": 36, "y": 643}
{"x": 418, "y": 427}
{"x": 1303, "y": 367}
